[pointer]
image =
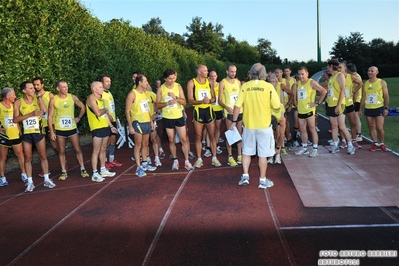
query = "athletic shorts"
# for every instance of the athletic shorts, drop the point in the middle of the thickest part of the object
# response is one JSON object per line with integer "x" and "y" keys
{"x": 32, "y": 138}
{"x": 172, "y": 123}
{"x": 142, "y": 128}
{"x": 46, "y": 131}
{"x": 66, "y": 133}
{"x": 258, "y": 141}
{"x": 230, "y": 117}
{"x": 349, "y": 109}
{"x": 330, "y": 111}
{"x": 203, "y": 115}
{"x": 374, "y": 112}
{"x": 305, "y": 116}
{"x": 101, "y": 132}
{"x": 219, "y": 115}
{"x": 114, "y": 124}
{"x": 357, "y": 106}
{"x": 10, "y": 142}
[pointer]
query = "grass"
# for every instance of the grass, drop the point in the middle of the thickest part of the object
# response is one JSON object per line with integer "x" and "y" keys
{"x": 391, "y": 124}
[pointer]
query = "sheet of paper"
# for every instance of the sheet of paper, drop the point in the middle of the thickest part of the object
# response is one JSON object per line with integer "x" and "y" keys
{"x": 232, "y": 136}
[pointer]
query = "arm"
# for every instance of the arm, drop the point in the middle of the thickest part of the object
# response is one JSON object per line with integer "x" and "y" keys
{"x": 50, "y": 119}
{"x": 129, "y": 101}
{"x": 341, "y": 81}
{"x": 362, "y": 102}
{"x": 91, "y": 102}
{"x": 41, "y": 103}
{"x": 294, "y": 91}
{"x": 18, "y": 117}
{"x": 81, "y": 106}
{"x": 319, "y": 88}
{"x": 221, "y": 98}
{"x": 181, "y": 98}
{"x": 386, "y": 97}
{"x": 190, "y": 94}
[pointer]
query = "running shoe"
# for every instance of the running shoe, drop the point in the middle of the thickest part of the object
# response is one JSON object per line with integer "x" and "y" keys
{"x": 49, "y": 184}
{"x": 63, "y": 176}
{"x": 107, "y": 173}
{"x": 96, "y": 177}
{"x": 108, "y": 165}
{"x": 231, "y": 161}
{"x": 289, "y": 146}
{"x": 359, "y": 138}
{"x": 30, "y": 187}
{"x": 175, "y": 165}
{"x": 218, "y": 150}
{"x": 283, "y": 151}
{"x": 239, "y": 159}
{"x": 24, "y": 179}
{"x": 207, "y": 153}
{"x": 215, "y": 162}
{"x": 198, "y": 164}
{"x": 84, "y": 173}
{"x": 356, "y": 145}
{"x": 42, "y": 174}
{"x": 157, "y": 161}
{"x": 334, "y": 149}
{"x": 244, "y": 180}
{"x": 351, "y": 149}
{"x": 148, "y": 167}
{"x": 277, "y": 160}
{"x": 270, "y": 160}
{"x": 115, "y": 163}
{"x": 149, "y": 160}
{"x": 191, "y": 155}
{"x": 343, "y": 144}
{"x": 302, "y": 151}
{"x": 203, "y": 144}
{"x": 188, "y": 166}
{"x": 310, "y": 143}
{"x": 140, "y": 172}
{"x": 3, "y": 181}
{"x": 295, "y": 144}
{"x": 161, "y": 155}
{"x": 265, "y": 184}
{"x": 374, "y": 147}
{"x": 221, "y": 140}
{"x": 313, "y": 153}
{"x": 383, "y": 148}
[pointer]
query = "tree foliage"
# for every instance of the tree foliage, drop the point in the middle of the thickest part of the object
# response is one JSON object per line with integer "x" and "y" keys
{"x": 154, "y": 27}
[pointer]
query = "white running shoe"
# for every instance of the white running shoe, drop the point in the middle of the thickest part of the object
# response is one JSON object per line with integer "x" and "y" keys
{"x": 49, "y": 184}
{"x": 157, "y": 161}
{"x": 30, "y": 187}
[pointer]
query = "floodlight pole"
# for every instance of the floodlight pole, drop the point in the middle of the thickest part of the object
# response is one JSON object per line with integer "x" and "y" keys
{"x": 318, "y": 34}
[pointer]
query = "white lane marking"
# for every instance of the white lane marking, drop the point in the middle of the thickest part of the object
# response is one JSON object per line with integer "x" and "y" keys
{"x": 337, "y": 226}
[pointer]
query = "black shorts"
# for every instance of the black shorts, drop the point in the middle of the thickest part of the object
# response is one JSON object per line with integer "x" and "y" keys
{"x": 349, "y": 109}
{"x": 114, "y": 124}
{"x": 330, "y": 111}
{"x": 142, "y": 128}
{"x": 101, "y": 132}
{"x": 357, "y": 106}
{"x": 203, "y": 115}
{"x": 172, "y": 123}
{"x": 32, "y": 138}
{"x": 46, "y": 131}
{"x": 305, "y": 116}
{"x": 10, "y": 142}
{"x": 374, "y": 112}
{"x": 66, "y": 133}
{"x": 230, "y": 117}
{"x": 219, "y": 115}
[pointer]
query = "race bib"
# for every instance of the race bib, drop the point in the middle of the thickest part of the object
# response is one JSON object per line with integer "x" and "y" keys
{"x": 233, "y": 98}
{"x": 66, "y": 122}
{"x": 372, "y": 98}
{"x": 347, "y": 93}
{"x": 202, "y": 94}
{"x": 31, "y": 123}
{"x": 9, "y": 122}
{"x": 216, "y": 101}
{"x": 144, "y": 106}
{"x": 167, "y": 99}
{"x": 112, "y": 107}
{"x": 302, "y": 94}
{"x": 330, "y": 92}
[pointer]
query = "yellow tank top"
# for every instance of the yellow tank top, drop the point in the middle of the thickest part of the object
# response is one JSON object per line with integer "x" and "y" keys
{"x": 285, "y": 93}
{"x": 140, "y": 110}
{"x": 171, "y": 111}
{"x": 46, "y": 100}
{"x": 230, "y": 94}
{"x": 360, "y": 91}
{"x": 374, "y": 94}
{"x": 333, "y": 91}
{"x": 64, "y": 113}
{"x": 30, "y": 125}
{"x": 94, "y": 121}
{"x": 348, "y": 90}
{"x": 152, "y": 98}
{"x": 200, "y": 91}
{"x": 215, "y": 105}
{"x": 305, "y": 95}
{"x": 109, "y": 103}
{"x": 6, "y": 119}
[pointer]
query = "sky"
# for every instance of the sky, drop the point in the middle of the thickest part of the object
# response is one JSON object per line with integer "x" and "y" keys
{"x": 290, "y": 25}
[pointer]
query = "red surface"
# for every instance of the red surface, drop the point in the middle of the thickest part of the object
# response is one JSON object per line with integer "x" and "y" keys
{"x": 180, "y": 218}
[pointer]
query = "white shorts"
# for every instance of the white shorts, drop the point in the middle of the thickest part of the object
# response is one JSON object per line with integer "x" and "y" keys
{"x": 258, "y": 141}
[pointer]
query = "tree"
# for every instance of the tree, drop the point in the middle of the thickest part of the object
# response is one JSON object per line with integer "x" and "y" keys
{"x": 154, "y": 27}
{"x": 351, "y": 49}
{"x": 205, "y": 38}
{"x": 178, "y": 39}
{"x": 381, "y": 52}
{"x": 267, "y": 54}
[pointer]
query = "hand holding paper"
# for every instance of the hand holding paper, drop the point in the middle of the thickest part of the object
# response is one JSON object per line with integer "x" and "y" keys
{"x": 232, "y": 136}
